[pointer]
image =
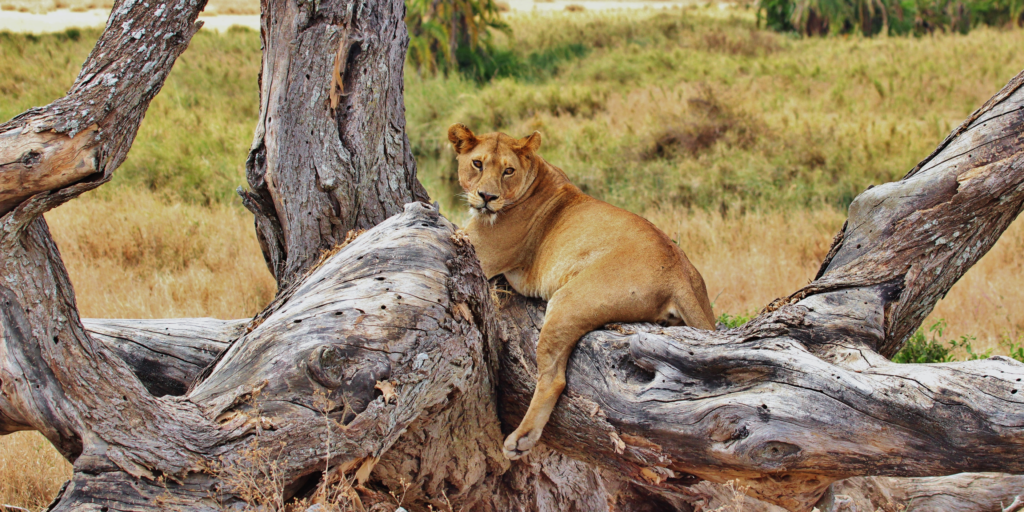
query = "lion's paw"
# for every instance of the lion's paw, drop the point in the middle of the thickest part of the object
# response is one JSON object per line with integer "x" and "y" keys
{"x": 518, "y": 445}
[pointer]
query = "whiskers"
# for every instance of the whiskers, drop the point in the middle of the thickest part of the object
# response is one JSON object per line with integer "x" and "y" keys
{"x": 476, "y": 210}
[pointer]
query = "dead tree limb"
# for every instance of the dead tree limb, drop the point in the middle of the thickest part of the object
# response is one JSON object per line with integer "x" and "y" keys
{"x": 166, "y": 355}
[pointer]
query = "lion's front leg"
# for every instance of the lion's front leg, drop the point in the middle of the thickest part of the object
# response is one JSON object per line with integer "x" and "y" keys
{"x": 565, "y": 322}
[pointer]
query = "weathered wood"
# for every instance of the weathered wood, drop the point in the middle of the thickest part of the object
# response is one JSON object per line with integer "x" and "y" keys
{"x": 84, "y": 392}
{"x": 542, "y": 482}
{"x": 968, "y": 492}
{"x": 330, "y": 152}
{"x": 292, "y": 379}
{"x": 166, "y": 355}
{"x": 53, "y": 153}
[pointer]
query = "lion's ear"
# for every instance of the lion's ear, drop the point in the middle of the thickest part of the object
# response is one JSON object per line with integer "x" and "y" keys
{"x": 462, "y": 138}
{"x": 529, "y": 144}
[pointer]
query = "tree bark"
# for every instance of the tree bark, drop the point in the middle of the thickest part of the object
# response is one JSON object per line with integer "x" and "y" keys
{"x": 384, "y": 366}
{"x": 166, "y": 355}
{"x": 330, "y": 152}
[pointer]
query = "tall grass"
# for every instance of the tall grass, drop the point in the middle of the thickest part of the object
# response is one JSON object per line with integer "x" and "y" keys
{"x": 680, "y": 109}
{"x": 31, "y": 470}
{"x": 133, "y": 255}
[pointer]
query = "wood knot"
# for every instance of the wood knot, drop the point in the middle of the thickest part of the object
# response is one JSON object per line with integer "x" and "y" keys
{"x": 774, "y": 452}
{"x": 351, "y": 373}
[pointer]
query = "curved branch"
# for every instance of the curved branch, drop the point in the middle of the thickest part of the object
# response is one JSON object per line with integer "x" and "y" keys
{"x": 51, "y": 154}
{"x": 166, "y": 355}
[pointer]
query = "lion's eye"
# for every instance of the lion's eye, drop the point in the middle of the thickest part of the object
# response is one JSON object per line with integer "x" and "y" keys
{"x": 478, "y": 164}
{"x": 510, "y": 171}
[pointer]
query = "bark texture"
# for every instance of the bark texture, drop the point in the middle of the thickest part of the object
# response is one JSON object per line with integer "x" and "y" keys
{"x": 166, "y": 355}
{"x": 330, "y": 152}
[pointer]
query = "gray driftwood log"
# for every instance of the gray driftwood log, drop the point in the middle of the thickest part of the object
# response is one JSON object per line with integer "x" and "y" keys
{"x": 388, "y": 365}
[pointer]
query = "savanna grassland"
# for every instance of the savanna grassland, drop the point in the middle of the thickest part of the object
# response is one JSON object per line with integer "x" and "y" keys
{"x": 745, "y": 146}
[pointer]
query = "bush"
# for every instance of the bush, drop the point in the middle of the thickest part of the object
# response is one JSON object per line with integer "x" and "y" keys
{"x": 455, "y": 35}
{"x": 922, "y": 348}
{"x": 732, "y": 321}
{"x": 894, "y": 17}
{"x": 929, "y": 348}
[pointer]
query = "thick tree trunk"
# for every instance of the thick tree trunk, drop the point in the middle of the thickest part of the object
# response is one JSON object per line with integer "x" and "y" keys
{"x": 386, "y": 364}
{"x": 330, "y": 153}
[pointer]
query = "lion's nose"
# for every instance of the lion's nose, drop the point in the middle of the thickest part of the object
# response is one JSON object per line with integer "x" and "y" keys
{"x": 486, "y": 197}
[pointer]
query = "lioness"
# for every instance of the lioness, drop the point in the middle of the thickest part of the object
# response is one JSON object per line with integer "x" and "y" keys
{"x": 594, "y": 263}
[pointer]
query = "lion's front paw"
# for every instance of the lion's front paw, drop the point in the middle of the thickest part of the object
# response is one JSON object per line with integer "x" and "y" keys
{"x": 518, "y": 445}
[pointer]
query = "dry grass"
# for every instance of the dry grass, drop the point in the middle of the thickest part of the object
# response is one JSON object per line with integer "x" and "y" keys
{"x": 748, "y": 260}
{"x": 31, "y": 471}
{"x": 751, "y": 259}
{"x": 131, "y": 255}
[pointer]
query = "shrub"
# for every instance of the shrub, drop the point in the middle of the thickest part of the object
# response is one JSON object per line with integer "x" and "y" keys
{"x": 456, "y": 35}
{"x": 727, "y": 321}
{"x": 925, "y": 348}
{"x": 929, "y": 348}
{"x": 894, "y": 17}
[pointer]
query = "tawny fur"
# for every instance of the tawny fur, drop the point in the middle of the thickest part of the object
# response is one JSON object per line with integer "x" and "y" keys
{"x": 594, "y": 263}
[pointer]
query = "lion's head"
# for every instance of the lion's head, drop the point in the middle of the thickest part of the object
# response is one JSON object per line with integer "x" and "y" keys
{"x": 495, "y": 170}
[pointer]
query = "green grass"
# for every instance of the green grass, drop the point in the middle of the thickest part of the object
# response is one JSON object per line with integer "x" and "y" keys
{"x": 193, "y": 143}
{"x": 691, "y": 108}
{"x": 683, "y": 108}
{"x": 927, "y": 346}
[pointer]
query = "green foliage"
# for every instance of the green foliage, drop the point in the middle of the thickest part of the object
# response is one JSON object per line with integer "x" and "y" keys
{"x": 925, "y": 347}
{"x": 1016, "y": 351}
{"x": 893, "y": 17}
{"x": 777, "y": 15}
{"x": 928, "y": 347}
{"x": 455, "y": 35}
{"x": 732, "y": 321}
{"x": 681, "y": 108}
{"x": 691, "y": 109}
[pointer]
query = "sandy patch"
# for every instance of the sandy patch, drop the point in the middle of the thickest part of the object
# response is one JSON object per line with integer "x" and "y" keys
{"x": 63, "y": 19}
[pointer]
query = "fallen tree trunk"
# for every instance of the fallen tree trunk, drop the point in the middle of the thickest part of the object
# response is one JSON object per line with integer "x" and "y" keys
{"x": 196, "y": 339}
{"x": 383, "y": 367}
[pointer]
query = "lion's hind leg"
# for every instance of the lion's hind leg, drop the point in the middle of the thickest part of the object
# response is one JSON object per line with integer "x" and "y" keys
{"x": 690, "y": 303}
